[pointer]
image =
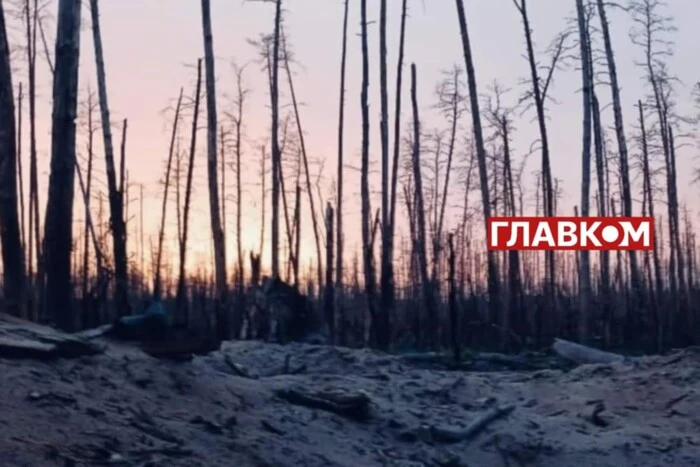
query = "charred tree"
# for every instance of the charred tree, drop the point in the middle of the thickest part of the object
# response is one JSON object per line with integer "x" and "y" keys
{"x": 585, "y": 265}
{"x": 622, "y": 147}
{"x": 34, "y": 241}
{"x": 339, "y": 243}
{"x": 386, "y": 298}
{"x": 389, "y": 283}
{"x": 58, "y": 233}
{"x": 157, "y": 282}
{"x": 539, "y": 92}
{"x": 276, "y": 154}
{"x": 20, "y": 175}
{"x": 87, "y": 317}
{"x": 305, "y": 161}
{"x": 222, "y": 322}
{"x": 328, "y": 293}
{"x": 241, "y": 93}
{"x": 13, "y": 265}
{"x": 452, "y": 300}
{"x": 492, "y": 274}
{"x": 116, "y": 201}
{"x": 421, "y": 238}
{"x": 367, "y": 244}
{"x": 649, "y": 197}
{"x": 181, "y": 281}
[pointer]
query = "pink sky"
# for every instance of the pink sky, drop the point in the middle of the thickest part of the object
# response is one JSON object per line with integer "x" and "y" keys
{"x": 151, "y": 47}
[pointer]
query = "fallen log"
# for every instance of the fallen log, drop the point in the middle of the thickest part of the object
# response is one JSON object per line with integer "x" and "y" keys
{"x": 38, "y": 342}
{"x": 352, "y": 406}
{"x": 180, "y": 347}
{"x": 452, "y": 435}
{"x": 94, "y": 333}
{"x": 582, "y": 354}
{"x": 11, "y": 347}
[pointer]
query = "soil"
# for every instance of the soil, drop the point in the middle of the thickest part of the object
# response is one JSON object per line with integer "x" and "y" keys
{"x": 260, "y": 404}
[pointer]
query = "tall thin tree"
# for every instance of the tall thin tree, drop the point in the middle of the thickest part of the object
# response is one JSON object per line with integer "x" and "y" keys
{"x": 367, "y": 244}
{"x": 340, "y": 334}
{"x": 222, "y": 322}
{"x": 10, "y": 237}
{"x": 386, "y": 287}
{"x": 492, "y": 274}
{"x": 116, "y": 199}
{"x": 621, "y": 142}
{"x": 58, "y": 233}
{"x": 276, "y": 155}
{"x": 585, "y": 265}
{"x": 157, "y": 282}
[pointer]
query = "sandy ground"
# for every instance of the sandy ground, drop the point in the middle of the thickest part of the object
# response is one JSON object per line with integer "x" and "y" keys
{"x": 126, "y": 408}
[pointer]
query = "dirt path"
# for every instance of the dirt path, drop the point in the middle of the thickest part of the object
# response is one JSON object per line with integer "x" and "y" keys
{"x": 224, "y": 409}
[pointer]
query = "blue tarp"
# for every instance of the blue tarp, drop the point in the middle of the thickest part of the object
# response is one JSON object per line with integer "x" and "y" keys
{"x": 152, "y": 324}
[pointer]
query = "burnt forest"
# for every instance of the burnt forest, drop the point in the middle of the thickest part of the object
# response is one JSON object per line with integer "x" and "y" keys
{"x": 255, "y": 233}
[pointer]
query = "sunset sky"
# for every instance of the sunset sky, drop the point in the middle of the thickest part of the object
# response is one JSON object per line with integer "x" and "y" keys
{"x": 151, "y": 47}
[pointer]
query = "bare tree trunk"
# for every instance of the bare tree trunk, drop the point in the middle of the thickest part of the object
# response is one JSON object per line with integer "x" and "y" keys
{"x": 442, "y": 206}
{"x": 493, "y": 277}
{"x": 116, "y": 200}
{"x": 222, "y": 167}
{"x": 328, "y": 293}
{"x": 157, "y": 283}
{"x": 87, "y": 317}
{"x": 20, "y": 175}
{"x": 421, "y": 239}
{"x": 601, "y": 176}
{"x": 13, "y": 265}
{"x": 367, "y": 245}
{"x": 548, "y": 189}
{"x": 649, "y": 195}
{"x": 390, "y": 285}
{"x": 181, "y": 286}
{"x": 240, "y": 275}
{"x": 222, "y": 323}
{"x": 678, "y": 263}
{"x": 124, "y": 197}
{"x": 297, "y": 235}
{"x": 312, "y": 205}
{"x": 339, "y": 286}
{"x": 34, "y": 242}
{"x": 585, "y": 265}
{"x": 452, "y": 301}
{"x": 263, "y": 198}
{"x": 515, "y": 318}
{"x": 58, "y": 226}
{"x": 276, "y": 156}
{"x": 621, "y": 144}
{"x": 386, "y": 299}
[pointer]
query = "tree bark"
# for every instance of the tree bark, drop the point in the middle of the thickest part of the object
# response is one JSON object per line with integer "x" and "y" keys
{"x": 421, "y": 239}
{"x": 367, "y": 244}
{"x": 339, "y": 286}
{"x": 585, "y": 265}
{"x": 493, "y": 277}
{"x": 328, "y": 293}
{"x": 222, "y": 322}
{"x": 157, "y": 285}
{"x": 34, "y": 243}
{"x": 116, "y": 207}
{"x": 621, "y": 142}
{"x": 276, "y": 156}
{"x": 10, "y": 237}
{"x": 181, "y": 285}
{"x": 547, "y": 186}
{"x": 390, "y": 285}
{"x": 58, "y": 226}
{"x": 386, "y": 295}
